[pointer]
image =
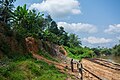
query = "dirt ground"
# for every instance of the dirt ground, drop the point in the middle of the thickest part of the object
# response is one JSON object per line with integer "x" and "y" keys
{"x": 103, "y": 72}
{"x": 64, "y": 67}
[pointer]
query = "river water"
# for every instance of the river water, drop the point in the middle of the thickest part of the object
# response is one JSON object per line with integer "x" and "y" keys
{"x": 111, "y": 58}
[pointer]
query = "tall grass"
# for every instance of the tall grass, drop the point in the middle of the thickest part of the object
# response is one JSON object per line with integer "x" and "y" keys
{"x": 47, "y": 55}
{"x": 27, "y": 68}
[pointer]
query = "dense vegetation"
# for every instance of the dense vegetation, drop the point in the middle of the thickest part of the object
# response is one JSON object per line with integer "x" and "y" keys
{"x": 20, "y": 23}
{"x": 24, "y": 23}
{"x": 114, "y": 51}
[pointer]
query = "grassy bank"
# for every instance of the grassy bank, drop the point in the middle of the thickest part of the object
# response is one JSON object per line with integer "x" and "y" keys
{"x": 27, "y": 68}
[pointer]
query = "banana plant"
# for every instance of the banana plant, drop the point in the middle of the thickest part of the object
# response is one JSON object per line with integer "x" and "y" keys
{"x": 30, "y": 20}
{"x": 6, "y": 10}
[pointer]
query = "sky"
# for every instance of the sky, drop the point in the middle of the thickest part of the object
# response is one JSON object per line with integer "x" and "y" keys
{"x": 96, "y": 22}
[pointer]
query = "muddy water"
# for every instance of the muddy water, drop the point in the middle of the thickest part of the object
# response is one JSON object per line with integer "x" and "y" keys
{"x": 111, "y": 58}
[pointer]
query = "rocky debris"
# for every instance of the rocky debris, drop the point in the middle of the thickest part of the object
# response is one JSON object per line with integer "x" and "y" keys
{"x": 34, "y": 46}
{"x": 31, "y": 44}
{"x": 62, "y": 50}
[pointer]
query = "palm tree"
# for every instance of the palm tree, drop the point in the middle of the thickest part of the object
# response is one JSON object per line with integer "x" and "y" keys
{"x": 74, "y": 40}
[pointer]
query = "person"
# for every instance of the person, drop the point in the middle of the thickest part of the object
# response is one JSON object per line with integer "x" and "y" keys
{"x": 80, "y": 68}
{"x": 72, "y": 65}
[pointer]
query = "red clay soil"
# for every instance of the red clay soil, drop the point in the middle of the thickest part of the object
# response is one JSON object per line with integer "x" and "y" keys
{"x": 32, "y": 47}
{"x": 61, "y": 66}
{"x": 31, "y": 44}
{"x": 99, "y": 70}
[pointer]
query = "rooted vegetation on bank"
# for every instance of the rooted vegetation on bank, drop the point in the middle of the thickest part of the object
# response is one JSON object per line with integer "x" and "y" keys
{"x": 16, "y": 24}
{"x": 26, "y": 67}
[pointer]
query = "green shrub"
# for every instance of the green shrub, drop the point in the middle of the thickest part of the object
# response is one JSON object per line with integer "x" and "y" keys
{"x": 4, "y": 47}
{"x": 79, "y": 52}
{"x": 2, "y": 77}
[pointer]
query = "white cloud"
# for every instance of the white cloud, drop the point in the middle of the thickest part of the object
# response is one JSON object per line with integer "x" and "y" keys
{"x": 94, "y": 40}
{"x": 118, "y": 37}
{"x": 113, "y": 29}
{"x": 78, "y": 27}
{"x": 58, "y": 8}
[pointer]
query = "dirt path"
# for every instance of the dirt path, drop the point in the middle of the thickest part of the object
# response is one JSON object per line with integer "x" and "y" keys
{"x": 33, "y": 48}
{"x": 58, "y": 65}
{"x": 63, "y": 67}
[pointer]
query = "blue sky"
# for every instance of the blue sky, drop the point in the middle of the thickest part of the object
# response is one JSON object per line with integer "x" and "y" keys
{"x": 96, "y": 22}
